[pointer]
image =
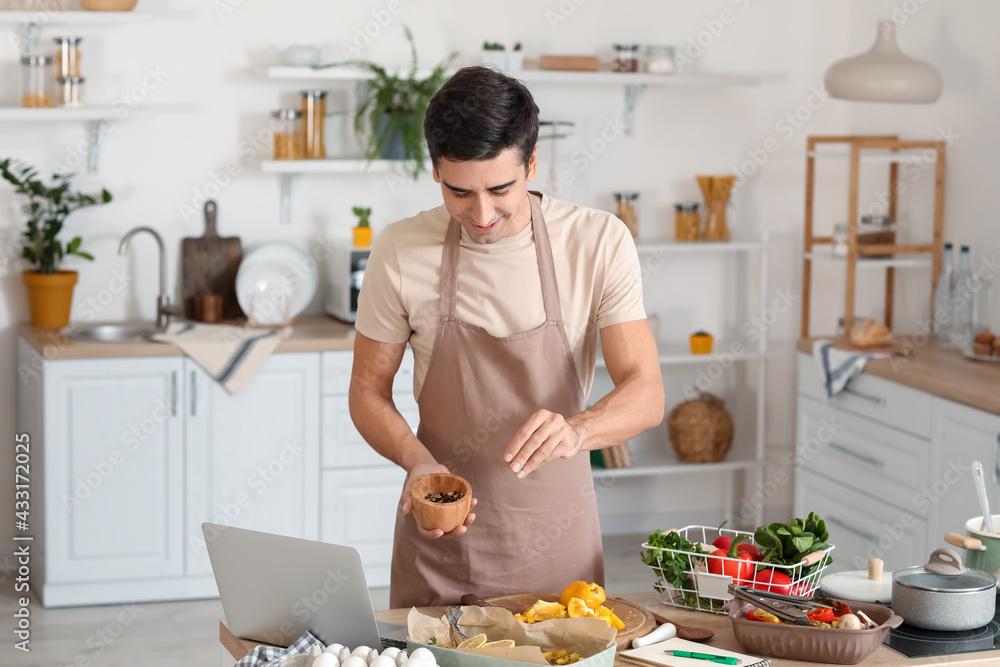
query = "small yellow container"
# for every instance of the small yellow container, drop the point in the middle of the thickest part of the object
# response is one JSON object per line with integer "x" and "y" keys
{"x": 701, "y": 343}
{"x": 362, "y": 237}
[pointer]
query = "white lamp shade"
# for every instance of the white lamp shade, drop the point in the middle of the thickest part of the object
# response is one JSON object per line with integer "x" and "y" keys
{"x": 884, "y": 74}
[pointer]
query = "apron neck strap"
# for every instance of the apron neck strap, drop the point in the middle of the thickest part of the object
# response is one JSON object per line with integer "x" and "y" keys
{"x": 543, "y": 253}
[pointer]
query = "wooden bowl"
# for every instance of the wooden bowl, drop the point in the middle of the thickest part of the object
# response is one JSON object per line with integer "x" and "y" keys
{"x": 446, "y": 516}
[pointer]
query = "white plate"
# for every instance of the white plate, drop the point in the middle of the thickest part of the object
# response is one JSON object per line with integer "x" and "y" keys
{"x": 981, "y": 357}
{"x": 276, "y": 281}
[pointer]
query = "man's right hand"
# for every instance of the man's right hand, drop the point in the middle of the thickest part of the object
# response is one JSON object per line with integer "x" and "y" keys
{"x": 407, "y": 504}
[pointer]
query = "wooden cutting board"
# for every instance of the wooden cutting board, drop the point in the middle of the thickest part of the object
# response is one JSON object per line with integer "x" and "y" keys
{"x": 209, "y": 265}
{"x": 638, "y": 621}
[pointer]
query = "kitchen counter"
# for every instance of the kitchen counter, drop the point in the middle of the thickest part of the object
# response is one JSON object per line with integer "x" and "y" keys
{"x": 944, "y": 373}
{"x": 310, "y": 333}
{"x": 883, "y": 657}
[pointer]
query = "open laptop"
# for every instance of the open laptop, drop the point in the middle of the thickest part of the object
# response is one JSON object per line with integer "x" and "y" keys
{"x": 273, "y": 588}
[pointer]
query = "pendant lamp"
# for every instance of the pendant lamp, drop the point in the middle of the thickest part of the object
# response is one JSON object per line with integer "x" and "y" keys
{"x": 884, "y": 74}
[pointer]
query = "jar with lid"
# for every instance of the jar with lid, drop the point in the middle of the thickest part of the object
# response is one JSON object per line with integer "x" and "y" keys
{"x": 36, "y": 81}
{"x": 687, "y": 221}
{"x": 69, "y": 90}
{"x": 313, "y": 117}
{"x": 287, "y": 127}
{"x": 68, "y": 56}
{"x": 627, "y": 57}
{"x": 626, "y": 211}
{"x": 660, "y": 59}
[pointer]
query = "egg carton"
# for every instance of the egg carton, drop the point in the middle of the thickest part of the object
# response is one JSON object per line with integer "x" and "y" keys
{"x": 338, "y": 655}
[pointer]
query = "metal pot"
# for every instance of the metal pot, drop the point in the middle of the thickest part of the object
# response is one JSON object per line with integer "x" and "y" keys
{"x": 943, "y": 595}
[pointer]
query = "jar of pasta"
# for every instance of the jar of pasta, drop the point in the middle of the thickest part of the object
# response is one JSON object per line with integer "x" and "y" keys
{"x": 287, "y": 126}
{"x": 627, "y": 211}
{"x": 313, "y": 117}
{"x": 68, "y": 56}
{"x": 687, "y": 221}
{"x": 36, "y": 81}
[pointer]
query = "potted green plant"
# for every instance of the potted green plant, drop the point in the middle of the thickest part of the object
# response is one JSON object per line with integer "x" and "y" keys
{"x": 394, "y": 106}
{"x": 701, "y": 342}
{"x": 363, "y": 230}
{"x": 50, "y": 289}
{"x": 494, "y": 53}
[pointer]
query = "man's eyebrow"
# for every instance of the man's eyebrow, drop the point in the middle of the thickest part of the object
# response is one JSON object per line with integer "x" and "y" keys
{"x": 495, "y": 188}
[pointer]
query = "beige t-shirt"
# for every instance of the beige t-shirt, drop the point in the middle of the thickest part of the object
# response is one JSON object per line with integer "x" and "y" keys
{"x": 499, "y": 289}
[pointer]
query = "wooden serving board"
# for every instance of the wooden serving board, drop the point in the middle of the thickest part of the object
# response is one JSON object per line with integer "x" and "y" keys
{"x": 209, "y": 265}
{"x": 895, "y": 346}
{"x": 638, "y": 621}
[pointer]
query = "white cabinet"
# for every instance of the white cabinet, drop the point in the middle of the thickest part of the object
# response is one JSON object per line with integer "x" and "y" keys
{"x": 360, "y": 489}
{"x": 253, "y": 458}
{"x": 960, "y": 436}
{"x": 111, "y": 446}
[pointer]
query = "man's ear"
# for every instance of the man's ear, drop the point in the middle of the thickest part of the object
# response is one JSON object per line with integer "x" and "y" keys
{"x": 533, "y": 164}
{"x": 434, "y": 172}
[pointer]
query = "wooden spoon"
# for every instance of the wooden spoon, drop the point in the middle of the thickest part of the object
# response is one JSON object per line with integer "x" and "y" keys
{"x": 684, "y": 632}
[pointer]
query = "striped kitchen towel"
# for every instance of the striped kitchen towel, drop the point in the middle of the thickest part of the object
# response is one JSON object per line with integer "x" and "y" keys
{"x": 265, "y": 656}
{"x": 838, "y": 367}
{"x": 231, "y": 355}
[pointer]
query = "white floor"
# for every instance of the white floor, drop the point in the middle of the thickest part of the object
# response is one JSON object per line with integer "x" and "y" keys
{"x": 173, "y": 634}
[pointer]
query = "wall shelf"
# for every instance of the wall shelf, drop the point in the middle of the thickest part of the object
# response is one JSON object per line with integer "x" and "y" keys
{"x": 923, "y": 259}
{"x": 42, "y": 18}
{"x": 328, "y": 166}
{"x": 665, "y": 462}
{"x": 669, "y": 246}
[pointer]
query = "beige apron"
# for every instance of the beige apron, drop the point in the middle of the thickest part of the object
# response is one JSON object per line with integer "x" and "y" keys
{"x": 536, "y": 534}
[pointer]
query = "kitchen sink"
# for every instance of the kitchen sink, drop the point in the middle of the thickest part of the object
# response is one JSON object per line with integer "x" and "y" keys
{"x": 117, "y": 332}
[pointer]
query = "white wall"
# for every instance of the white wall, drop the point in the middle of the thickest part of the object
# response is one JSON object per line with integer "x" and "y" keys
{"x": 209, "y": 107}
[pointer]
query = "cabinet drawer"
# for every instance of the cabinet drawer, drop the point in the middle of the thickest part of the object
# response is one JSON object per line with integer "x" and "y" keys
{"x": 359, "y": 510}
{"x": 337, "y": 373}
{"x": 860, "y": 526}
{"x": 861, "y": 453}
{"x": 884, "y": 401}
{"x": 343, "y": 446}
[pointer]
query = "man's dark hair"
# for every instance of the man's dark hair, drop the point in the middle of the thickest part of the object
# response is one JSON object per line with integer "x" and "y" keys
{"x": 477, "y": 114}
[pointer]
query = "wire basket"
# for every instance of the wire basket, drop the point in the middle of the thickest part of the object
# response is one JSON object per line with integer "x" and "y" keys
{"x": 685, "y": 581}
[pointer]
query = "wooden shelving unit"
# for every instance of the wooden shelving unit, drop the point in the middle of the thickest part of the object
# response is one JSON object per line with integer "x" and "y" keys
{"x": 887, "y": 149}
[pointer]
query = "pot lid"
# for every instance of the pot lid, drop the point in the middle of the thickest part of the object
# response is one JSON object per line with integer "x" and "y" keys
{"x": 944, "y": 573}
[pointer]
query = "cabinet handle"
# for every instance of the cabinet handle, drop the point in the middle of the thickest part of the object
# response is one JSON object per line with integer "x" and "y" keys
{"x": 173, "y": 393}
{"x": 877, "y": 400}
{"x": 868, "y": 537}
{"x": 194, "y": 393}
{"x": 996, "y": 459}
{"x": 870, "y": 460}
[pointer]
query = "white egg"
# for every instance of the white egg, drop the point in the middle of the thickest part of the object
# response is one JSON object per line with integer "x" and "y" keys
{"x": 361, "y": 652}
{"x": 354, "y": 661}
{"x": 326, "y": 660}
{"x": 400, "y": 658}
{"x": 382, "y": 661}
{"x": 391, "y": 652}
{"x": 334, "y": 649}
{"x": 422, "y": 654}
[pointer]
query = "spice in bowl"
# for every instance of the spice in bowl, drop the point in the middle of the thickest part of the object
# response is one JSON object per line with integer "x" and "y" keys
{"x": 449, "y": 497}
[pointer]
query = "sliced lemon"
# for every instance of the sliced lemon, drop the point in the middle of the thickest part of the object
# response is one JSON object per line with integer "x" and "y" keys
{"x": 500, "y": 643}
{"x": 475, "y": 641}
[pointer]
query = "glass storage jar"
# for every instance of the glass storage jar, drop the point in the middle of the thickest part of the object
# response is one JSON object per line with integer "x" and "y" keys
{"x": 687, "y": 221}
{"x": 69, "y": 90}
{"x": 627, "y": 57}
{"x": 36, "y": 81}
{"x": 287, "y": 127}
{"x": 626, "y": 211}
{"x": 660, "y": 59}
{"x": 68, "y": 56}
{"x": 313, "y": 117}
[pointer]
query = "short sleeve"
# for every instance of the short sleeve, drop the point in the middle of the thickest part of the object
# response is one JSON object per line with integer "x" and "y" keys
{"x": 621, "y": 297}
{"x": 381, "y": 314}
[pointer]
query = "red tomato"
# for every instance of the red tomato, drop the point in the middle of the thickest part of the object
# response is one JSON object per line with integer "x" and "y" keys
{"x": 748, "y": 548}
{"x": 772, "y": 581}
{"x": 740, "y": 567}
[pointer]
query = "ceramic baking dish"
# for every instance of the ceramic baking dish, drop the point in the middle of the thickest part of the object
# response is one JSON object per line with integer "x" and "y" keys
{"x": 802, "y": 642}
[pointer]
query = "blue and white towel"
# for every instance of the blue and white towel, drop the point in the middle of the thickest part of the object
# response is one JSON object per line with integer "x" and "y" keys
{"x": 231, "y": 355}
{"x": 265, "y": 655}
{"x": 838, "y": 367}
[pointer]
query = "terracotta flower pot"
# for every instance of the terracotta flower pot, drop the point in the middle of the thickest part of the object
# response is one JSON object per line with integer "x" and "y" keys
{"x": 50, "y": 296}
{"x": 446, "y": 516}
{"x": 362, "y": 237}
{"x": 701, "y": 344}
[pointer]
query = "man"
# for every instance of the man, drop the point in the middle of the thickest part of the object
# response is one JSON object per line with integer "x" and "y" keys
{"x": 500, "y": 293}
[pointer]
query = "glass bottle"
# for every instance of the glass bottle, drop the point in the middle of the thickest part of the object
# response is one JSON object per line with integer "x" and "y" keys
{"x": 313, "y": 118}
{"x": 961, "y": 301}
{"x": 36, "y": 81}
{"x": 942, "y": 300}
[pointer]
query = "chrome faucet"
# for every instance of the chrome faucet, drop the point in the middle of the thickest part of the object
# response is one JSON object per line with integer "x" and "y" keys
{"x": 164, "y": 311}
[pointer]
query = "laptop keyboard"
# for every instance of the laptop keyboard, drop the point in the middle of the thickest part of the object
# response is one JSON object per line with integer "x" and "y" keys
{"x": 394, "y": 643}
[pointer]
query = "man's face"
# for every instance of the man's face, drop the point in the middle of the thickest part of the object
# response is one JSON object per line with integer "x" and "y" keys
{"x": 488, "y": 197}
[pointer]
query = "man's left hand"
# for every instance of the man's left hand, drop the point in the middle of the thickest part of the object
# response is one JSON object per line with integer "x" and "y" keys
{"x": 545, "y": 437}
